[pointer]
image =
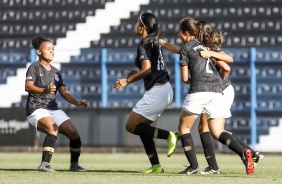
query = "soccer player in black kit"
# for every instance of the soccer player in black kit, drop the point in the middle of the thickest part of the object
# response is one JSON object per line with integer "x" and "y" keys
{"x": 158, "y": 95}
{"x": 205, "y": 30}
{"x": 206, "y": 36}
{"x": 204, "y": 96}
{"x": 42, "y": 83}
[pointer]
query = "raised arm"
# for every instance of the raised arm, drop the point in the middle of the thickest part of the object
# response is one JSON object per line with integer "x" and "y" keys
{"x": 169, "y": 46}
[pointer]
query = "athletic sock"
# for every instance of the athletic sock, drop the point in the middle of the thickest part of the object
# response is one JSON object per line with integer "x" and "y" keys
{"x": 75, "y": 149}
{"x": 228, "y": 140}
{"x": 189, "y": 150}
{"x": 208, "y": 147}
{"x": 48, "y": 147}
{"x": 244, "y": 145}
{"x": 150, "y": 149}
{"x": 150, "y": 132}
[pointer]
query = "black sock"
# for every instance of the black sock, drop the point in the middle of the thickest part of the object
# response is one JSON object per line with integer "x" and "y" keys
{"x": 244, "y": 145}
{"x": 48, "y": 147}
{"x": 150, "y": 132}
{"x": 75, "y": 148}
{"x": 228, "y": 140}
{"x": 208, "y": 147}
{"x": 150, "y": 149}
{"x": 189, "y": 150}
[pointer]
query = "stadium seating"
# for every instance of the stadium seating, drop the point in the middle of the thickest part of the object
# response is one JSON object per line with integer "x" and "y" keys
{"x": 22, "y": 20}
{"x": 249, "y": 23}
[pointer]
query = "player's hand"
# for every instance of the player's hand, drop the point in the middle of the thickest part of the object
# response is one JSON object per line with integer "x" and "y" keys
{"x": 131, "y": 72}
{"x": 120, "y": 83}
{"x": 51, "y": 89}
{"x": 205, "y": 54}
{"x": 82, "y": 103}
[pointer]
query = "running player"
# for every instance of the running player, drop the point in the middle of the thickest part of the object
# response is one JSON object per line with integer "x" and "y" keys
{"x": 158, "y": 95}
{"x": 205, "y": 96}
{"x": 42, "y": 83}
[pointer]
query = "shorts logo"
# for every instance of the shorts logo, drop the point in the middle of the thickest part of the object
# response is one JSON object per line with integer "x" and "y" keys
{"x": 29, "y": 78}
{"x": 41, "y": 75}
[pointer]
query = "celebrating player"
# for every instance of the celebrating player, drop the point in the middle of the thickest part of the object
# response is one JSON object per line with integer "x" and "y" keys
{"x": 158, "y": 95}
{"x": 204, "y": 95}
{"x": 42, "y": 83}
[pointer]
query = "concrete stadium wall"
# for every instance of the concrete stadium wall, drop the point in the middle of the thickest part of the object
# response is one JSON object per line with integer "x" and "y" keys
{"x": 98, "y": 127}
{"x": 106, "y": 127}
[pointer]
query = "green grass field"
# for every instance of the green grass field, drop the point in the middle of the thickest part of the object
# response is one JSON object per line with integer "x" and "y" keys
{"x": 124, "y": 168}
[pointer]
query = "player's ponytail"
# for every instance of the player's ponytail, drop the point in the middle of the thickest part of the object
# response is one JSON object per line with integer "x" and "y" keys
{"x": 150, "y": 22}
{"x": 208, "y": 37}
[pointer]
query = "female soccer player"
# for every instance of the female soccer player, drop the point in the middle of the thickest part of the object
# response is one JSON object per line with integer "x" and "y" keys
{"x": 42, "y": 83}
{"x": 219, "y": 57}
{"x": 158, "y": 95}
{"x": 205, "y": 96}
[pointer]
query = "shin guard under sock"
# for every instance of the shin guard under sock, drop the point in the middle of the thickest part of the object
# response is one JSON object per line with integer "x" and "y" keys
{"x": 208, "y": 146}
{"x": 48, "y": 147}
{"x": 189, "y": 150}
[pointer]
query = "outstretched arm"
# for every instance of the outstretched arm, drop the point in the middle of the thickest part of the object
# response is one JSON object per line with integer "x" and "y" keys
{"x": 171, "y": 47}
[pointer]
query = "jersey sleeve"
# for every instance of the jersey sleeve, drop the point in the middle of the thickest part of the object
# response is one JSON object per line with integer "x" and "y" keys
{"x": 144, "y": 52}
{"x": 61, "y": 81}
{"x": 31, "y": 73}
{"x": 184, "y": 59}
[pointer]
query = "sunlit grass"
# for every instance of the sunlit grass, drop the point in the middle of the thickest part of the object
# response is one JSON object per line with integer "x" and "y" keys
{"x": 125, "y": 168}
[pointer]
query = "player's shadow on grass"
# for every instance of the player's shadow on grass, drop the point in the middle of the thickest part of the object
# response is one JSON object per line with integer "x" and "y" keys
{"x": 65, "y": 170}
{"x": 100, "y": 171}
{"x": 7, "y": 169}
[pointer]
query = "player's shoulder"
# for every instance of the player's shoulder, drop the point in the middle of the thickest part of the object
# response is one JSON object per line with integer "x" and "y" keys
{"x": 190, "y": 45}
{"x": 34, "y": 65}
{"x": 54, "y": 68}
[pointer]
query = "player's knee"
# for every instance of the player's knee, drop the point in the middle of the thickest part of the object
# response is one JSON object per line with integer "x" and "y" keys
{"x": 215, "y": 134}
{"x": 129, "y": 128}
{"x": 73, "y": 134}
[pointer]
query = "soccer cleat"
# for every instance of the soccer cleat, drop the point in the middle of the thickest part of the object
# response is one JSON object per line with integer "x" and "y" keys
{"x": 45, "y": 168}
{"x": 154, "y": 169}
{"x": 77, "y": 168}
{"x": 257, "y": 157}
{"x": 171, "y": 142}
{"x": 209, "y": 170}
{"x": 248, "y": 161}
{"x": 190, "y": 170}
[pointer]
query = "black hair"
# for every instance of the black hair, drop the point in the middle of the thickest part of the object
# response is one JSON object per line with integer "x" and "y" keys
{"x": 37, "y": 41}
{"x": 150, "y": 22}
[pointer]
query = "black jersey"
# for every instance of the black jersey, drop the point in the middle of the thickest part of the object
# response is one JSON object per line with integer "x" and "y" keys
{"x": 42, "y": 78}
{"x": 204, "y": 76}
{"x": 226, "y": 82}
{"x": 153, "y": 53}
